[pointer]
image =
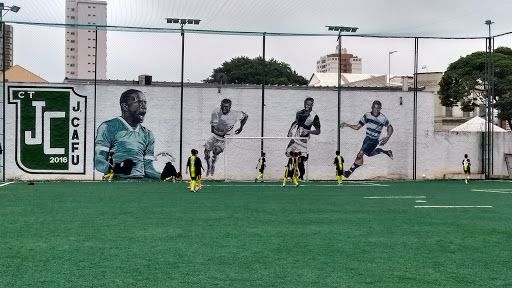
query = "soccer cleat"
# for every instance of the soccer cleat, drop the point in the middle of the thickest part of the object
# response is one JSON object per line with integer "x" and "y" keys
{"x": 296, "y": 185}
{"x": 256, "y": 180}
{"x": 189, "y": 186}
{"x": 198, "y": 187}
{"x": 346, "y": 174}
{"x": 390, "y": 154}
{"x": 339, "y": 183}
{"x": 283, "y": 185}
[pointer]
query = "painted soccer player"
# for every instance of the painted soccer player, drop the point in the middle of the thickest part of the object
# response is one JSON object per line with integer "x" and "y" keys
{"x": 132, "y": 143}
{"x": 195, "y": 166}
{"x": 375, "y": 122}
{"x": 222, "y": 122}
{"x": 466, "y": 166}
{"x": 305, "y": 119}
{"x": 261, "y": 167}
{"x": 338, "y": 163}
{"x": 291, "y": 169}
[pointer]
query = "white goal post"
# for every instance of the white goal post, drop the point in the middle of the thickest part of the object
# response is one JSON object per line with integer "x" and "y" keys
{"x": 241, "y": 156}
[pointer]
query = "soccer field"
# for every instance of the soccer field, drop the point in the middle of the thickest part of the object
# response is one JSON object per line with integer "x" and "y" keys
{"x": 157, "y": 234}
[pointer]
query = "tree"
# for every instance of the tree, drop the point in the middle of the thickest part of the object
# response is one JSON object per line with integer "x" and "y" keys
{"x": 463, "y": 83}
{"x": 244, "y": 70}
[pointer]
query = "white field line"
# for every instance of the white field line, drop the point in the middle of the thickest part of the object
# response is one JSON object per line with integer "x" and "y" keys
{"x": 6, "y": 184}
{"x": 421, "y": 201}
{"x": 452, "y": 206}
{"x": 504, "y": 191}
{"x": 287, "y": 185}
{"x": 395, "y": 197}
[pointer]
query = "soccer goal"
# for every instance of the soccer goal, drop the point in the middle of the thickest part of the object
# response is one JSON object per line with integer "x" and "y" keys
{"x": 241, "y": 156}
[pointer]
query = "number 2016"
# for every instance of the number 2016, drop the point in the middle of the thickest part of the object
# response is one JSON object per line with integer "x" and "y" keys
{"x": 58, "y": 159}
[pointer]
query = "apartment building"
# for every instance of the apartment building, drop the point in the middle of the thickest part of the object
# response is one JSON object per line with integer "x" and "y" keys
{"x": 349, "y": 63}
{"x": 86, "y": 47}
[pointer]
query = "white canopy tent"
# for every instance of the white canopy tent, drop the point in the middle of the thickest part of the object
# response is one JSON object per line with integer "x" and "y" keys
{"x": 476, "y": 124}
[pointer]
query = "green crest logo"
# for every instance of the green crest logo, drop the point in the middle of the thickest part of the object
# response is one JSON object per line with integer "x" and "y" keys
{"x": 50, "y": 129}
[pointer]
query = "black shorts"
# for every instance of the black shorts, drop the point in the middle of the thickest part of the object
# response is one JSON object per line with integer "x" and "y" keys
{"x": 289, "y": 173}
{"x": 197, "y": 177}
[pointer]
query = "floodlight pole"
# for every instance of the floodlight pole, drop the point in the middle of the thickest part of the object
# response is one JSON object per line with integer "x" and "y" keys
{"x": 339, "y": 90}
{"x": 389, "y": 68}
{"x": 340, "y": 29}
{"x": 181, "y": 92}
{"x": 489, "y": 75}
{"x": 182, "y": 23}
{"x": 14, "y": 9}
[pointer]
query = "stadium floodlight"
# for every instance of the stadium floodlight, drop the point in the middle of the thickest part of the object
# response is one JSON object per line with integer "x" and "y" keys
{"x": 340, "y": 29}
{"x": 173, "y": 20}
{"x": 12, "y": 8}
{"x": 182, "y": 23}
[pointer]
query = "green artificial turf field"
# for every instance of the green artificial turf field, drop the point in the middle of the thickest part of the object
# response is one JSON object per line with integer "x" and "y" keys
{"x": 156, "y": 234}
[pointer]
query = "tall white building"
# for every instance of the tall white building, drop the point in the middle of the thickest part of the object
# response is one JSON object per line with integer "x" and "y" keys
{"x": 81, "y": 43}
{"x": 349, "y": 63}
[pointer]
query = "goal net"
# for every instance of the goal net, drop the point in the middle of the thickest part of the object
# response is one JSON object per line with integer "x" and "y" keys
{"x": 242, "y": 154}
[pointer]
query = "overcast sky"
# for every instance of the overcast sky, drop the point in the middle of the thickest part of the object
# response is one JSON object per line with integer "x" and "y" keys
{"x": 129, "y": 54}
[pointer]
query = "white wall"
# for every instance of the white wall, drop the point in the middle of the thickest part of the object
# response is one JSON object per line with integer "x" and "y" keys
{"x": 439, "y": 155}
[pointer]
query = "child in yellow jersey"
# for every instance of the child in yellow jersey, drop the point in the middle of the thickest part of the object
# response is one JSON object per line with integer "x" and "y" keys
{"x": 466, "y": 166}
{"x": 195, "y": 166}
{"x": 110, "y": 173}
{"x": 291, "y": 169}
{"x": 261, "y": 167}
{"x": 338, "y": 163}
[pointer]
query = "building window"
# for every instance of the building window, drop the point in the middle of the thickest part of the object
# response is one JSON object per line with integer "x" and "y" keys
{"x": 72, "y": 65}
{"x": 72, "y": 41}
{"x": 72, "y": 73}
{"x": 72, "y": 9}
{"x": 72, "y": 49}
{"x": 72, "y": 17}
{"x": 448, "y": 112}
{"x": 72, "y": 33}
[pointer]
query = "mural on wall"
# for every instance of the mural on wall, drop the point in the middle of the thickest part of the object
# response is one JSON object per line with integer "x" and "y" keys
{"x": 375, "y": 122}
{"x": 305, "y": 119}
{"x": 52, "y": 132}
{"x": 50, "y": 129}
{"x": 223, "y": 121}
{"x": 132, "y": 144}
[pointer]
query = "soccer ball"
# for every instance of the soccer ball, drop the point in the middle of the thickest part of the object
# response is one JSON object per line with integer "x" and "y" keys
{"x": 424, "y": 176}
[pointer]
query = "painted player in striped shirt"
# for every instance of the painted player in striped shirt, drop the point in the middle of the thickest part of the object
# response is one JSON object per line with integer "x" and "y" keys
{"x": 132, "y": 143}
{"x": 375, "y": 122}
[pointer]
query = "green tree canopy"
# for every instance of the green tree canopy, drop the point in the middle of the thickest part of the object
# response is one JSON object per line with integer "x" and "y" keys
{"x": 244, "y": 70}
{"x": 463, "y": 83}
